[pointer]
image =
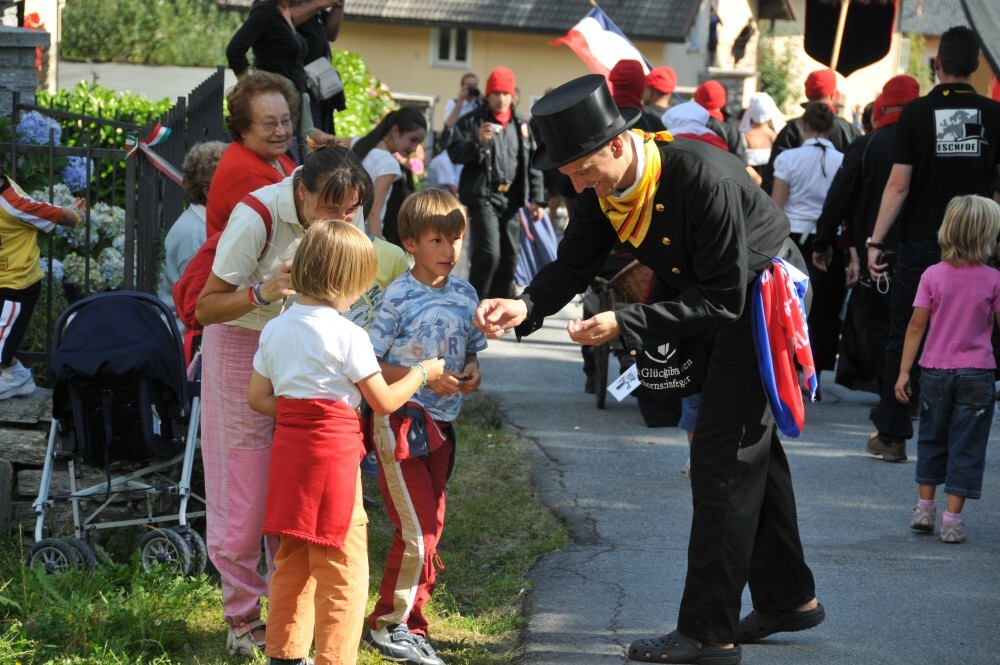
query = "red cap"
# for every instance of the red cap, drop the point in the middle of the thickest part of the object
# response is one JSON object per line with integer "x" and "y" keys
{"x": 898, "y": 91}
{"x": 877, "y": 110}
{"x": 662, "y": 79}
{"x": 712, "y": 96}
{"x": 821, "y": 83}
{"x": 628, "y": 80}
{"x": 501, "y": 80}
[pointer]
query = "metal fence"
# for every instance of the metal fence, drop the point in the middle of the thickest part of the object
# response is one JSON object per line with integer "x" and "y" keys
{"x": 151, "y": 201}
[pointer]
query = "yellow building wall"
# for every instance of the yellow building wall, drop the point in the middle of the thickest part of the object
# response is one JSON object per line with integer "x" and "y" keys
{"x": 400, "y": 57}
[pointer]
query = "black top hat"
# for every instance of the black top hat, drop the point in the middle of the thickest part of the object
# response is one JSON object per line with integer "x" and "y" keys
{"x": 576, "y": 119}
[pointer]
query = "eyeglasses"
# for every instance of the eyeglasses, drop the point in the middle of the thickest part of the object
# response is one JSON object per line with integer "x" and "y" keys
{"x": 271, "y": 124}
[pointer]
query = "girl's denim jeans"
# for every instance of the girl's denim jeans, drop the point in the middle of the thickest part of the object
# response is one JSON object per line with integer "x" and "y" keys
{"x": 956, "y": 411}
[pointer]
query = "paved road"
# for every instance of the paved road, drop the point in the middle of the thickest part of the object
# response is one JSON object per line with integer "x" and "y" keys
{"x": 891, "y": 596}
{"x": 154, "y": 82}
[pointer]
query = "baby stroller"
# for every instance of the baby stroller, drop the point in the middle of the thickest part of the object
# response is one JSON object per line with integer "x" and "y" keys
{"x": 122, "y": 403}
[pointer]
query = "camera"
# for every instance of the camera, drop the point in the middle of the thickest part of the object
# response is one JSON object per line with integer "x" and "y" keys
{"x": 888, "y": 257}
{"x": 472, "y": 91}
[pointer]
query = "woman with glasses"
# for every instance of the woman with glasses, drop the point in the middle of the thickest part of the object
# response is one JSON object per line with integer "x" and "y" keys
{"x": 250, "y": 284}
{"x": 262, "y": 115}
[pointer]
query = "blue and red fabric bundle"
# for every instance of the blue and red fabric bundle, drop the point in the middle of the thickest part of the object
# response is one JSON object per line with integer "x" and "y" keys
{"x": 781, "y": 336}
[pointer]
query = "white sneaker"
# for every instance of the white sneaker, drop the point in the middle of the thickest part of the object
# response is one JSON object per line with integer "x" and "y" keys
{"x": 16, "y": 381}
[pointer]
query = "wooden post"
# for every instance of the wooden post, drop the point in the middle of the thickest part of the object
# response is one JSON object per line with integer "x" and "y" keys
{"x": 839, "y": 35}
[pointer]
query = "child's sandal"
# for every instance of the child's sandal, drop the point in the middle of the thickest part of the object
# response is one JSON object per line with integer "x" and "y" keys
{"x": 240, "y": 641}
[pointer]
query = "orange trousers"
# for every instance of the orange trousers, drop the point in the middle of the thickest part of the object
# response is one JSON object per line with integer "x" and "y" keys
{"x": 320, "y": 588}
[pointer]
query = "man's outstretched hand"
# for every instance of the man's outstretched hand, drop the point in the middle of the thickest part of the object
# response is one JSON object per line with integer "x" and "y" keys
{"x": 495, "y": 316}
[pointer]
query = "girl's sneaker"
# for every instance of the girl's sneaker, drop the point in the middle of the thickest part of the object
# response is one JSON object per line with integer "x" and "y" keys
{"x": 952, "y": 531}
{"x": 686, "y": 469}
{"x": 923, "y": 519}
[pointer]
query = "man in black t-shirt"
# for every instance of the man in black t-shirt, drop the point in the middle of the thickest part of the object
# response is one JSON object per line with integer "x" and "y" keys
{"x": 947, "y": 144}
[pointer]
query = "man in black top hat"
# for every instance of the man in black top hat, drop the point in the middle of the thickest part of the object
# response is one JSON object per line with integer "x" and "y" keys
{"x": 708, "y": 233}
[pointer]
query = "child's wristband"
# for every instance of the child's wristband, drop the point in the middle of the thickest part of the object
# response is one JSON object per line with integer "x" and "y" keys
{"x": 423, "y": 371}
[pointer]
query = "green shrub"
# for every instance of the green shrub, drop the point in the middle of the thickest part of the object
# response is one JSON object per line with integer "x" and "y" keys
{"x": 367, "y": 97}
{"x": 154, "y": 32}
{"x": 98, "y": 101}
{"x": 778, "y": 70}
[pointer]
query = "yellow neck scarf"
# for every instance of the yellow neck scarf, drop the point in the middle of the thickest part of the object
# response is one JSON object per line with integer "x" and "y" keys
{"x": 632, "y": 213}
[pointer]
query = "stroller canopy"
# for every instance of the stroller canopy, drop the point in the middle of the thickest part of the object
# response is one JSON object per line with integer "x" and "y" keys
{"x": 118, "y": 336}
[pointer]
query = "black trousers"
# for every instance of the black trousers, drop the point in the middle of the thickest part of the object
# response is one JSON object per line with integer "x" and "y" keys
{"x": 828, "y": 293}
{"x": 16, "y": 307}
{"x": 912, "y": 258}
{"x": 745, "y": 527}
{"x": 496, "y": 237}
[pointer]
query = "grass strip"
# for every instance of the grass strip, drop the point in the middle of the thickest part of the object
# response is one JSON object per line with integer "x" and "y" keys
{"x": 494, "y": 532}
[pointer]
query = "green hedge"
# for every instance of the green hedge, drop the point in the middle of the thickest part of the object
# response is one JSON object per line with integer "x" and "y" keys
{"x": 367, "y": 98}
{"x": 148, "y": 32}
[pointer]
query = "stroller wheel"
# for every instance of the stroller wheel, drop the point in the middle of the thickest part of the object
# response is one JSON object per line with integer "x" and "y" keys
{"x": 199, "y": 550}
{"x": 84, "y": 554}
{"x": 166, "y": 548}
{"x": 54, "y": 554}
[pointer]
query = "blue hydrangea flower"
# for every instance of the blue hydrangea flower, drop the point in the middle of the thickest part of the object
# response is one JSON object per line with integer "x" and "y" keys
{"x": 58, "y": 272}
{"x": 111, "y": 266}
{"x": 34, "y": 128}
{"x": 74, "y": 174}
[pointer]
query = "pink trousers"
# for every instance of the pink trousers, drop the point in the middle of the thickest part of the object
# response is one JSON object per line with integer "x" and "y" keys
{"x": 236, "y": 450}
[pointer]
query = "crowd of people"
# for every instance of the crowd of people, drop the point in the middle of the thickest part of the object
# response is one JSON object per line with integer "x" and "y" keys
{"x": 330, "y": 323}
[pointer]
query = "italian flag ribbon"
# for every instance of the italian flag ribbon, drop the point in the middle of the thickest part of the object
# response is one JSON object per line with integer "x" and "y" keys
{"x": 156, "y": 137}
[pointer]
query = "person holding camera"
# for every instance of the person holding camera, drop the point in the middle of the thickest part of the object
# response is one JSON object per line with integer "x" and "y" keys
{"x": 945, "y": 146}
{"x": 466, "y": 101}
{"x": 494, "y": 146}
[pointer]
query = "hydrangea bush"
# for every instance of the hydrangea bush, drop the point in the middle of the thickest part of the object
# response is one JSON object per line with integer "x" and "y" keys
{"x": 103, "y": 243}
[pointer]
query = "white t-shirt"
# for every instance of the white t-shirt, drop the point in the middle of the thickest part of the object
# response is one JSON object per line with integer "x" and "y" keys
{"x": 312, "y": 352}
{"x": 808, "y": 170}
{"x": 442, "y": 172}
{"x": 379, "y": 162}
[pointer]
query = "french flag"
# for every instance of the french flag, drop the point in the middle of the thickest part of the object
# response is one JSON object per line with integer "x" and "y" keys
{"x": 600, "y": 44}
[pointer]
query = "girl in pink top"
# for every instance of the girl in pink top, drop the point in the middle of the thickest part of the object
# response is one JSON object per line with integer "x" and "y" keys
{"x": 959, "y": 299}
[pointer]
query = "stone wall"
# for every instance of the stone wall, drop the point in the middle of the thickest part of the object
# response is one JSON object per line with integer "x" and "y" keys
{"x": 17, "y": 64}
{"x": 24, "y": 429}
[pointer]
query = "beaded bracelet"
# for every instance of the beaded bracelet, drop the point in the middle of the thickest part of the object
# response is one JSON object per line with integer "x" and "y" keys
{"x": 258, "y": 296}
{"x": 423, "y": 371}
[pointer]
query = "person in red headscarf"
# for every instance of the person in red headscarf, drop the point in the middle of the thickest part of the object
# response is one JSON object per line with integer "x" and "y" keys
{"x": 660, "y": 85}
{"x": 713, "y": 96}
{"x": 627, "y": 81}
{"x": 494, "y": 145}
{"x": 852, "y": 204}
{"x": 821, "y": 86}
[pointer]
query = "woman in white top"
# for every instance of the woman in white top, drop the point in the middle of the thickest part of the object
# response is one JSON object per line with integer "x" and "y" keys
{"x": 802, "y": 178}
{"x": 401, "y": 131}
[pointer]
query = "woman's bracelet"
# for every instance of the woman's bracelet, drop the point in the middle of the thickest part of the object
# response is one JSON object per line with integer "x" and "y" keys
{"x": 251, "y": 298}
{"x": 423, "y": 371}
{"x": 258, "y": 296}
